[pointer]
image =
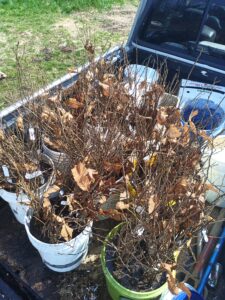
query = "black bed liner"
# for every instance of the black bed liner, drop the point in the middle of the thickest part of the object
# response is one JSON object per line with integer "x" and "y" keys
{"x": 22, "y": 263}
{"x": 23, "y": 276}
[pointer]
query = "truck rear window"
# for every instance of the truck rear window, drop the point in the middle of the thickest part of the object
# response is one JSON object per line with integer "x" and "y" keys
{"x": 183, "y": 25}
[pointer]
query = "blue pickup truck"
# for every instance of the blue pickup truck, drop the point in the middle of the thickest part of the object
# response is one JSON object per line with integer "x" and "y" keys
{"x": 187, "y": 39}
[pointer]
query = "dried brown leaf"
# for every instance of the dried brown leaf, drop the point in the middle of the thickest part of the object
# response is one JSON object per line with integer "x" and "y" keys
{"x": 162, "y": 116}
{"x": 57, "y": 218}
{"x": 90, "y": 109}
{"x": 109, "y": 79}
{"x": 46, "y": 205}
{"x": 67, "y": 117}
{"x": 51, "y": 191}
{"x": 151, "y": 204}
{"x": 192, "y": 126}
{"x": 193, "y": 114}
{"x": 181, "y": 186}
{"x": 29, "y": 167}
{"x": 2, "y": 135}
{"x": 105, "y": 89}
{"x": 48, "y": 115}
{"x": 113, "y": 167}
{"x": 19, "y": 123}
{"x": 173, "y": 132}
{"x": 122, "y": 206}
{"x": 113, "y": 213}
{"x": 210, "y": 187}
{"x": 54, "y": 99}
{"x": 185, "y": 289}
{"x": 143, "y": 85}
{"x": 73, "y": 103}
{"x": 205, "y": 136}
{"x": 172, "y": 285}
{"x": 102, "y": 199}
{"x": 66, "y": 232}
{"x": 84, "y": 177}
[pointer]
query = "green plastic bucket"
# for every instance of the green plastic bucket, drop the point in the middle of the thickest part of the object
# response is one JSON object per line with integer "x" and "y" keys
{"x": 116, "y": 290}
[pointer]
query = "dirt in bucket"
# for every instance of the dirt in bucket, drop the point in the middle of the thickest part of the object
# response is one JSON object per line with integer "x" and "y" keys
{"x": 47, "y": 228}
{"x": 134, "y": 276}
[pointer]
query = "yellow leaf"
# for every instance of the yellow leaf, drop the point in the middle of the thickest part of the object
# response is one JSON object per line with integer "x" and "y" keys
{"x": 172, "y": 203}
{"x": 131, "y": 189}
{"x": 135, "y": 163}
{"x": 151, "y": 160}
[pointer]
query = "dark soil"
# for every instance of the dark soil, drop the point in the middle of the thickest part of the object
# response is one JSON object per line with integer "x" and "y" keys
{"x": 132, "y": 276}
{"x": 38, "y": 228}
{"x": 33, "y": 183}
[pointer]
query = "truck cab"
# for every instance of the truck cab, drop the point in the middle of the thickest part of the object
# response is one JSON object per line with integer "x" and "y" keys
{"x": 185, "y": 35}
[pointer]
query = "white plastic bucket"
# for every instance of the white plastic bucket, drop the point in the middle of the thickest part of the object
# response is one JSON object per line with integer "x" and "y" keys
{"x": 62, "y": 257}
{"x": 215, "y": 164}
{"x": 140, "y": 73}
{"x": 134, "y": 75}
{"x": 60, "y": 160}
{"x": 19, "y": 203}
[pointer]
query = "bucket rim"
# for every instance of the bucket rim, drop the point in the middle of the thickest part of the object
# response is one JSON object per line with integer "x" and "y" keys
{"x": 28, "y": 218}
{"x": 114, "y": 282}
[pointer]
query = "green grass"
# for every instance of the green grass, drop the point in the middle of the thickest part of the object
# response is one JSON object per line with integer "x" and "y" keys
{"x": 65, "y": 6}
{"x": 31, "y": 30}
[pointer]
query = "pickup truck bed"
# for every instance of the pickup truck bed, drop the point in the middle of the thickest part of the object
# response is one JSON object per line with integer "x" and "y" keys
{"x": 30, "y": 279}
